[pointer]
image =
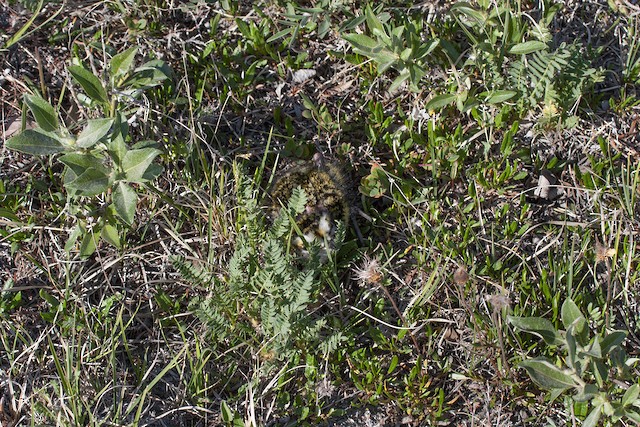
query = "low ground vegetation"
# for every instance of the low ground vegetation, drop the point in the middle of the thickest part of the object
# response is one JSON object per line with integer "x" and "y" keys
{"x": 483, "y": 268}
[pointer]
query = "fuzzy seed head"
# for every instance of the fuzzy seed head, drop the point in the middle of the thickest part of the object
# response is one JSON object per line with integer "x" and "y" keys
{"x": 603, "y": 252}
{"x": 369, "y": 272}
{"x": 460, "y": 277}
{"x": 498, "y": 301}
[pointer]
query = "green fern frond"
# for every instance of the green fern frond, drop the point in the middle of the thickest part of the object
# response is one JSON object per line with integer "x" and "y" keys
{"x": 191, "y": 273}
{"x": 332, "y": 343}
{"x": 208, "y": 312}
{"x": 267, "y": 291}
{"x": 283, "y": 222}
{"x": 561, "y": 76}
{"x": 298, "y": 201}
{"x": 303, "y": 288}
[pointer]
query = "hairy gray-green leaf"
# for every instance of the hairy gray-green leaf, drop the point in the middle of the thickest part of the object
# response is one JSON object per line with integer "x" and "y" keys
{"x": 398, "y": 81}
{"x": 110, "y": 234}
{"x": 594, "y": 350}
{"x": 469, "y": 12}
{"x": 612, "y": 340}
{"x": 572, "y": 347}
{"x": 43, "y": 112}
{"x": 631, "y": 395}
{"x": 90, "y": 183}
{"x": 632, "y": 415}
{"x": 427, "y": 47}
{"x": 527, "y": 47}
{"x": 571, "y": 315}
{"x": 122, "y": 63}
{"x": 136, "y": 162}
{"x": 362, "y": 44}
{"x": 386, "y": 59}
{"x": 373, "y": 22}
{"x": 146, "y": 144}
{"x": 94, "y": 131}
{"x": 600, "y": 371}
{"x": 116, "y": 146}
{"x": 80, "y": 162}
{"x": 148, "y": 75}
{"x": 593, "y": 417}
{"x": 153, "y": 171}
{"x": 32, "y": 141}
{"x": 500, "y": 96}
{"x": 440, "y": 101}
{"x": 90, "y": 83}
{"x": 586, "y": 392}
{"x": 547, "y": 375}
{"x": 125, "y": 200}
{"x": 538, "y": 326}
{"x": 88, "y": 245}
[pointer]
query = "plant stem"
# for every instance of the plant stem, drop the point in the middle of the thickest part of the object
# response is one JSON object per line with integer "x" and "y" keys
{"x": 404, "y": 321}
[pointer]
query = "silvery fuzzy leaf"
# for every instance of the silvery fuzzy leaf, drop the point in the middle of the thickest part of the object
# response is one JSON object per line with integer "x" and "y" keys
{"x": 300, "y": 76}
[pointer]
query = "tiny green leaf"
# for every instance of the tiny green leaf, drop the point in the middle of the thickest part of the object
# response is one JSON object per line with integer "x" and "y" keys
{"x": 8, "y": 214}
{"x": 94, "y": 131}
{"x": 547, "y": 375}
{"x": 527, "y": 47}
{"x": 76, "y": 232}
{"x": 43, "y": 112}
{"x": 136, "y": 162}
{"x": 538, "y": 326}
{"x": 90, "y": 183}
{"x": 125, "y": 200}
{"x": 53, "y": 301}
{"x": 90, "y": 84}
{"x": 226, "y": 412}
{"x": 35, "y": 142}
{"x": 393, "y": 364}
{"x": 18, "y": 35}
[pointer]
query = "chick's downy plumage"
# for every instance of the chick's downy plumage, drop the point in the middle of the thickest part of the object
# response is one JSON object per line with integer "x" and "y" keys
{"x": 324, "y": 185}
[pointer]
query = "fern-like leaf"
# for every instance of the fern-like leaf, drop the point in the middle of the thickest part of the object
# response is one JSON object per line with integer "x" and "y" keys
{"x": 191, "y": 273}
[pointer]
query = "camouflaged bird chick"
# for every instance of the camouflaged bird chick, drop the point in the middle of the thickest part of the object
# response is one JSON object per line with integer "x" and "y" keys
{"x": 324, "y": 185}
